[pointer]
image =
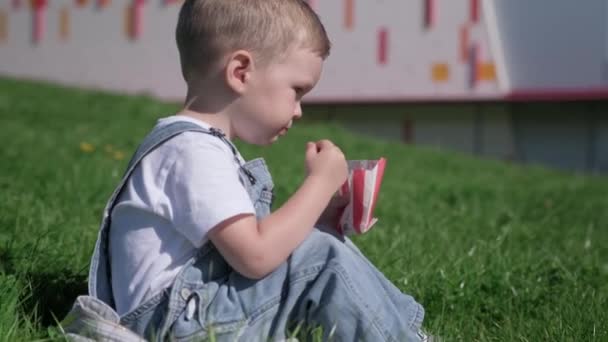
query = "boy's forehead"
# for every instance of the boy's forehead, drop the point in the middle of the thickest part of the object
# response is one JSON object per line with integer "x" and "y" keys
{"x": 302, "y": 58}
{"x": 305, "y": 66}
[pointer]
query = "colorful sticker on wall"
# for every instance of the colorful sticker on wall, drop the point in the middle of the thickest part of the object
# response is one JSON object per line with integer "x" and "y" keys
{"x": 382, "y": 46}
{"x": 440, "y": 72}
{"x": 38, "y": 20}
{"x": 64, "y": 23}
{"x": 486, "y": 72}
{"x": 134, "y": 19}
{"x": 3, "y": 26}
{"x": 349, "y": 14}
{"x": 430, "y": 13}
{"x": 81, "y": 3}
{"x": 464, "y": 43}
{"x": 474, "y": 8}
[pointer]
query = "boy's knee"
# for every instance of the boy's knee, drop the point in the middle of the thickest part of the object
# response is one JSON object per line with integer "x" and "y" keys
{"x": 319, "y": 251}
{"x": 321, "y": 243}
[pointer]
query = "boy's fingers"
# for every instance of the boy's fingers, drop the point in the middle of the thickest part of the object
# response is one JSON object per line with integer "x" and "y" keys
{"x": 311, "y": 151}
{"x": 339, "y": 201}
{"x": 323, "y": 144}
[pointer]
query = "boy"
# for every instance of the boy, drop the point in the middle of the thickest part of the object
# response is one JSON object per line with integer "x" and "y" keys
{"x": 189, "y": 249}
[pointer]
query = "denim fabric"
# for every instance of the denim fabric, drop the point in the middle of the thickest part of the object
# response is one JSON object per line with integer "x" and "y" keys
{"x": 326, "y": 282}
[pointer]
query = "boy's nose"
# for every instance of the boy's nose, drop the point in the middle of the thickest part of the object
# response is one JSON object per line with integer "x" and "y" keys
{"x": 298, "y": 111}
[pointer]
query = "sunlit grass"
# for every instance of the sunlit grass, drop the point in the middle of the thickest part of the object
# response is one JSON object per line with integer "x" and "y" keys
{"x": 494, "y": 252}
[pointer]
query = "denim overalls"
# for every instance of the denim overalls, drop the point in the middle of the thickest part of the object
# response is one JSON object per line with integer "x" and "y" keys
{"x": 326, "y": 282}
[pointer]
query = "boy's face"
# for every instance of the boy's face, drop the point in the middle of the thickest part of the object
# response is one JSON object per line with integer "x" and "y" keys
{"x": 271, "y": 101}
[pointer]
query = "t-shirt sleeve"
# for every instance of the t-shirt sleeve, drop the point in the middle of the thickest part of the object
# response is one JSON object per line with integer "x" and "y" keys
{"x": 204, "y": 190}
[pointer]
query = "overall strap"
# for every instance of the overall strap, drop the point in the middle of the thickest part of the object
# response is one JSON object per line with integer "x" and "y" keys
{"x": 100, "y": 280}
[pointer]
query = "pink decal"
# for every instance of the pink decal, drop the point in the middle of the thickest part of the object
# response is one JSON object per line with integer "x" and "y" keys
{"x": 474, "y": 4}
{"x": 349, "y": 14}
{"x": 382, "y": 46}
{"x": 39, "y": 20}
{"x": 430, "y": 14}
{"x": 464, "y": 43}
{"x": 137, "y": 19}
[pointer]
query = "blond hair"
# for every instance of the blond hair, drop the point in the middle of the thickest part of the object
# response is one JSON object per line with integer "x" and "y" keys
{"x": 208, "y": 29}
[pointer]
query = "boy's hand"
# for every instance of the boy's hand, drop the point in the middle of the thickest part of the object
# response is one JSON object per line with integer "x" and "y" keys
{"x": 326, "y": 161}
{"x": 331, "y": 215}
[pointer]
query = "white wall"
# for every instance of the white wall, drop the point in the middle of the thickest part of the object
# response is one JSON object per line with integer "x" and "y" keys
{"x": 534, "y": 45}
{"x": 554, "y": 43}
{"x": 98, "y": 54}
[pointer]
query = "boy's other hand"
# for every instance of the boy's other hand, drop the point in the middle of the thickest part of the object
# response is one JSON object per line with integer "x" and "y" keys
{"x": 331, "y": 215}
{"x": 326, "y": 161}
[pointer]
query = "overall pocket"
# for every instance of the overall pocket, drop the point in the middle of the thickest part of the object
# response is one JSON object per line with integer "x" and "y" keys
{"x": 212, "y": 303}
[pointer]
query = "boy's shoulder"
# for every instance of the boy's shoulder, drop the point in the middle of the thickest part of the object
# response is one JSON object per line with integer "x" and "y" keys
{"x": 191, "y": 145}
{"x": 189, "y": 139}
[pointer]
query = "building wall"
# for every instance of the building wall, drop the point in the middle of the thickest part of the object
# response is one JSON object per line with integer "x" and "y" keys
{"x": 383, "y": 50}
{"x": 553, "y": 44}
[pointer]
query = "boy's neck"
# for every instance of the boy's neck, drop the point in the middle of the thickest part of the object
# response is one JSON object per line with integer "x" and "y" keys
{"x": 218, "y": 120}
{"x": 210, "y": 106}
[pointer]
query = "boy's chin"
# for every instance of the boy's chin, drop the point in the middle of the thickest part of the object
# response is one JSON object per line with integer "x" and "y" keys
{"x": 262, "y": 139}
{"x": 264, "y": 142}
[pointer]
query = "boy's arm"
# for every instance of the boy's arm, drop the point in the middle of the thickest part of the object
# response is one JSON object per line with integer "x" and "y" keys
{"x": 255, "y": 248}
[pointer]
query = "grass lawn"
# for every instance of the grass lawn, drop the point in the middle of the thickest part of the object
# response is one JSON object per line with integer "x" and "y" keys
{"x": 495, "y": 252}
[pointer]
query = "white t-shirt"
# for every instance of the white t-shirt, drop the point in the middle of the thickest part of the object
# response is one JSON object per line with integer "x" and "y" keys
{"x": 177, "y": 193}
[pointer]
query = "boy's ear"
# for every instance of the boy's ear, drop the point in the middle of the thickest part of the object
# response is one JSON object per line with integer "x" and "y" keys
{"x": 238, "y": 70}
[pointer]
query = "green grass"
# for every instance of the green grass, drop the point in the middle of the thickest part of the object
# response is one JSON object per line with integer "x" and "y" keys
{"x": 495, "y": 252}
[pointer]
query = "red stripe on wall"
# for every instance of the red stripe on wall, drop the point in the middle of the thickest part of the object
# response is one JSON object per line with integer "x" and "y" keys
{"x": 39, "y": 20}
{"x": 430, "y": 13}
{"x": 382, "y": 46}
{"x": 474, "y": 4}
{"x": 559, "y": 94}
{"x": 137, "y": 19}
{"x": 349, "y": 14}
{"x": 464, "y": 43}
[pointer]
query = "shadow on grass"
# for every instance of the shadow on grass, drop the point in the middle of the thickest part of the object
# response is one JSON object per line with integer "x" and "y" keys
{"x": 52, "y": 294}
{"x": 46, "y": 294}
